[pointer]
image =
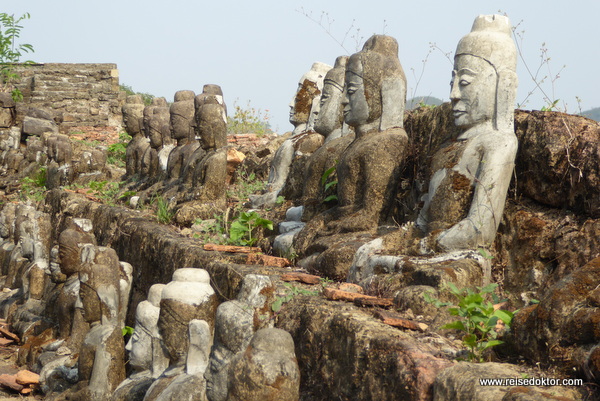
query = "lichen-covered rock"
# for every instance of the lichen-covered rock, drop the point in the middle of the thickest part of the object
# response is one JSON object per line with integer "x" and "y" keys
{"x": 332, "y": 340}
{"x": 569, "y": 175}
{"x": 462, "y": 382}
{"x": 565, "y": 325}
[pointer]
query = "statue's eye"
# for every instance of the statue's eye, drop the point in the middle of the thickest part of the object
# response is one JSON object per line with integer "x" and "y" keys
{"x": 464, "y": 82}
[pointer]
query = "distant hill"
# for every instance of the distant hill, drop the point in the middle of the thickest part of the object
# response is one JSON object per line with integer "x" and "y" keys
{"x": 428, "y": 100}
{"x": 594, "y": 114}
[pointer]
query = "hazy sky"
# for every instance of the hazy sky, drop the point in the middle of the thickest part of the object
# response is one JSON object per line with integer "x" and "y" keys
{"x": 257, "y": 50}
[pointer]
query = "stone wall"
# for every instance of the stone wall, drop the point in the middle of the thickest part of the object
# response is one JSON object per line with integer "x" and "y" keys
{"x": 81, "y": 96}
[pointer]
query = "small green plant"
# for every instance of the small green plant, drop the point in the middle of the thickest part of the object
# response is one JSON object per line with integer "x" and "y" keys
{"x": 127, "y": 331}
{"x": 292, "y": 292}
{"x": 249, "y": 120}
{"x": 163, "y": 214}
{"x": 214, "y": 232}
{"x": 329, "y": 184}
{"x": 478, "y": 318}
{"x": 11, "y": 52}
{"x": 240, "y": 232}
{"x": 245, "y": 185}
{"x": 551, "y": 106}
{"x": 280, "y": 199}
{"x": 116, "y": 151}
{"x": 34, "y": 186}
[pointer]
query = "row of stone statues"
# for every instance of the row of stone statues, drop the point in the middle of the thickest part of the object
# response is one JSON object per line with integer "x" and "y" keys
{"x": 469, "y": 173}
{"x": 177, "y": 152}
{"x": 185, "y": 345}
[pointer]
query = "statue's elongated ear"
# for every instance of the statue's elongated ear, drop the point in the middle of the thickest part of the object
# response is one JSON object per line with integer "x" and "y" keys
{"x": 393, "y": 101}
{"x": 506, "y": 94}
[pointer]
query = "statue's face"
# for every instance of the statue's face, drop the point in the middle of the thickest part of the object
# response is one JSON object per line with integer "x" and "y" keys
{"x": 140, "y": 348}
{"x": 301, "y": 104}
{"x": 473, "y": 92}
{"x": 356, "y": 108}
{"x": 329, "y": 115}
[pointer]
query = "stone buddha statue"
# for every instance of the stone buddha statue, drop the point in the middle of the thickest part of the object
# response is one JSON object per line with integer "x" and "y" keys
{"x": 205, "y": 176}
{"x": 146, "y": 353}
{"x": 156, "y": 128}
{"x": 101, "y": 358}
{"x": 182, "y": 130}
{"x": 133, "y": 115}
{"x": 338, "y": 136}
{"x": 235, "y": 325}
{"x": 330, "y": 124}
{"x": 369, "y": 168}
{"x": 470, "y": 173}
{"x": 303, "y": 111}
{"x": 187, "y": 297}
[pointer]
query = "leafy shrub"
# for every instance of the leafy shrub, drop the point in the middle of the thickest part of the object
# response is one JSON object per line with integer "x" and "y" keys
{"x": 478, "y": 318}
{"x": 146, "y": 97}
{"x": 240, "y": 232}
{"x": 249, "y": 120}
{"x": 116, "y": 151}
{"x": 10, "y": 52}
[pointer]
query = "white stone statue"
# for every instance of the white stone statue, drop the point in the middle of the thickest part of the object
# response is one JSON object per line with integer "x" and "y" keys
{"x": 471, "y": 173}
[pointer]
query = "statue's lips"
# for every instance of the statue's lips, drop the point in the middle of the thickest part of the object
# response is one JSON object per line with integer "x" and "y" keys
{"x": 458, "y": 113}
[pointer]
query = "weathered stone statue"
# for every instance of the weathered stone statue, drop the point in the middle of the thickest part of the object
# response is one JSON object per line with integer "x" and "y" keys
{"x": 234, "y": 328}
{"x": 267, "y": 370}
{"x": 205, "y": 175}
{"x": 147, "y": 356}
{"x": 303, "y": 111}
{"x": 101, "y": 359}
{"x": 60, "y": 155}
{"x": 369, "y": 169}
{"x": 338, "y": 136}
{"x": 182, "y": 130}
{"x": 470, "y": 173}
{"x": 71, "y": 323}
{"x": 156, "y": 128}
{"x": 329, "y": 123}
{"x": 133, "y": 117}
{"x": 186, "y": 321}
{"x": 189, "y": 296}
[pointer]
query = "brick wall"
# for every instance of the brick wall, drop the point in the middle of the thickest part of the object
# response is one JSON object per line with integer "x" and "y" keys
{"x": 83, "y": 96}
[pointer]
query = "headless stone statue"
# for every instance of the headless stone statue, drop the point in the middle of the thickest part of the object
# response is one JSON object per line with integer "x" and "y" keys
{"x": 133, "y": 116}
{"x": 369, "y": 169}
{"x": 303, "y": 111}
{"x": 182, "y": 130}
{"x": 470, "y": 173}
{"x": 60, "y": 155}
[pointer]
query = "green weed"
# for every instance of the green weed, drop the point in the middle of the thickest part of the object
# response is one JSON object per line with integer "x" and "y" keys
{"x": 329, "y": 184}
{"x": 240, "y": 232}
{"x": 478, "y": 318}
{"x": 292, "y": 292}
{"x": 163, "y": 214}
{"x": 116, "y": 151}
